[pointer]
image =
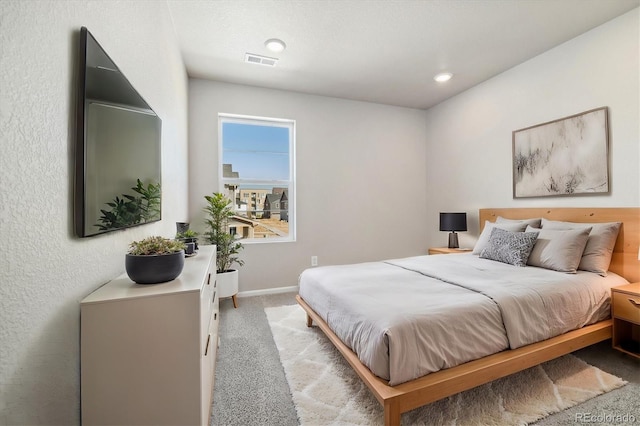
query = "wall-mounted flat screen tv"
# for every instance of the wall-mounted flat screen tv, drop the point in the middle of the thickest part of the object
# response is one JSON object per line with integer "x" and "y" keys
{"x": 118, "y": 148}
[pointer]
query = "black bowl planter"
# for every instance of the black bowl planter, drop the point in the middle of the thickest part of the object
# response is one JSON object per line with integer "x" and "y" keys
{"x": 154, "y": 269}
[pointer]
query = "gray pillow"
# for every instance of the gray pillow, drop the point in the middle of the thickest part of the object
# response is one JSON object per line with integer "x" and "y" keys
{"x": 599, "y": 249}
{"x": 534, "y": 223}
{"x": 559, "y": 250}
{"x": 509, "y": 247}
{"x": 486, "y": 233}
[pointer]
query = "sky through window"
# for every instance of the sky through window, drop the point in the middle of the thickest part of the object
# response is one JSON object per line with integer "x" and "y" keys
{"x": 256, "y": 152}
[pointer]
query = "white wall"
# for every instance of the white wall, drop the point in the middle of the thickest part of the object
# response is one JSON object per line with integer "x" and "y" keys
{"x": 45, "y": 270}
{"x": 469, "y": 136}
{"x": 360, "y": 177}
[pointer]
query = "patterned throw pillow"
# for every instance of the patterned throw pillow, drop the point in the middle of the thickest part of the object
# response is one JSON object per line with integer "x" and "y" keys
{"x": 509, "y": 247}
{"x": 488, "y": 227}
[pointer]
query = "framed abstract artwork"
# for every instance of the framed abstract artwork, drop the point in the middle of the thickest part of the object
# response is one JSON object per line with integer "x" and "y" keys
{"x": 567, "y": 156}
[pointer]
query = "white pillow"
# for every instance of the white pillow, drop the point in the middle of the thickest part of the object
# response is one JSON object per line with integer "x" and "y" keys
{"x": 486, "y": 233}
{"x": 534, "y": 223}
{"x": 558, "y": 250}
{"x": 599, "y": 249}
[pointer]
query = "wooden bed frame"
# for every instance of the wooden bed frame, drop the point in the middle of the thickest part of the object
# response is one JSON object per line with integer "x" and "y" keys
{"x": 432, "y": 387}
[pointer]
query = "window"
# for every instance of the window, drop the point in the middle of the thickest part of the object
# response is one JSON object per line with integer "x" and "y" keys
{"x": 257, "y": 172}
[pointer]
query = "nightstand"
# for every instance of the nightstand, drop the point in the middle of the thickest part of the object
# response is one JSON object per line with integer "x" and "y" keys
{"x": 625, "y": 310}
{"x": 445, "y": 250}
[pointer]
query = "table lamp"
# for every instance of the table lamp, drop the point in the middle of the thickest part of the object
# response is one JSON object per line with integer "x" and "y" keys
{"x": 453, "y": 222}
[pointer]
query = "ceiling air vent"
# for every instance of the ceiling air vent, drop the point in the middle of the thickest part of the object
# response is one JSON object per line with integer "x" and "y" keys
{"x": 260, "y": 60}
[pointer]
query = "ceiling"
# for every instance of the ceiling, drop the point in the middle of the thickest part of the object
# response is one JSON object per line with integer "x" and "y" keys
{"x": 373, "y": 50}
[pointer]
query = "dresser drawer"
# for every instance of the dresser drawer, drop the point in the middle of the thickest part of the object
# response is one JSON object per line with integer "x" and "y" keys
{"x": 208, "y": 362}
{"x": 626, "y": 306}
{"x": 207, "y": 297}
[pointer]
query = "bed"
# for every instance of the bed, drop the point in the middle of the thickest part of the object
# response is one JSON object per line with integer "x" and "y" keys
{"x": 467, "y": 363}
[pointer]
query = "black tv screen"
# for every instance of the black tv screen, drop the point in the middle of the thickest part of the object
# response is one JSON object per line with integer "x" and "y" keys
{"x": 118, "y": 148}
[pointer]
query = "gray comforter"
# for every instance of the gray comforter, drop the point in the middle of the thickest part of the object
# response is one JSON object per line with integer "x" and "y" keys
{"x": 405, "y": 318}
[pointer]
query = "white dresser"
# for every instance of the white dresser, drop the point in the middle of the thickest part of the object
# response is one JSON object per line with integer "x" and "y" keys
{"x": 148, "y": 352}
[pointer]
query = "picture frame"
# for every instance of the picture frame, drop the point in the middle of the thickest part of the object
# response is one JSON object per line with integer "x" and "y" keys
{"x": 563, "y": 157}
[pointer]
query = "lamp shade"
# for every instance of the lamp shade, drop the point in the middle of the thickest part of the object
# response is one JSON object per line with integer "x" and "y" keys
{"x": 453, "y": 221}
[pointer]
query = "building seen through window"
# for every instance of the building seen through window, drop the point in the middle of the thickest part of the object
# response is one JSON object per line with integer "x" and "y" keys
{"x": 257, "y": 164}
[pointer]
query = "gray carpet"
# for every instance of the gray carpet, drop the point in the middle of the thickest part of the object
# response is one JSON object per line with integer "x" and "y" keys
{"x": 251, "y": 389}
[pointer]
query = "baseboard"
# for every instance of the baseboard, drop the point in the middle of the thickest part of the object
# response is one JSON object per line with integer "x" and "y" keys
{"x": 268, "y": 291}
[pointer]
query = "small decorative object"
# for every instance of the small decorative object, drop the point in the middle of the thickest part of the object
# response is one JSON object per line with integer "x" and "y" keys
{"x": 190, "y": 250}
{"x": 453, "y": 222}
{"x": 154, "y": 260}
{"x": 188, "y": 236}
{"x": 182, "y": 227}
{"x": 220, "y": 213}
{"x": 562, "y": 157}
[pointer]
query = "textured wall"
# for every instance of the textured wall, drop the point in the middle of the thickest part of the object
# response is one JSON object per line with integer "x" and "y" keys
{"x": 45, "y": 270}
{"x": 469, "y": 136}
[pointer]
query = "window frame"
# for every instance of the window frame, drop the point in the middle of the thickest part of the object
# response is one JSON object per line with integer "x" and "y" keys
{"x": 290, "y": 183}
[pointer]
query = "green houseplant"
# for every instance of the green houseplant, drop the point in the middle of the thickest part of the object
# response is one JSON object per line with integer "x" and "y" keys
{"x": 154, "y": 260}
{"x": 219, "y": 214}
{"x": 188, "y": 236}
{"x": 189, "y": 233}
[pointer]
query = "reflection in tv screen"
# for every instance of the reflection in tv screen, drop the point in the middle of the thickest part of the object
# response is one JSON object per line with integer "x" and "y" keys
{"x": 121, "y": 168}
{"x": 118, "y": 151}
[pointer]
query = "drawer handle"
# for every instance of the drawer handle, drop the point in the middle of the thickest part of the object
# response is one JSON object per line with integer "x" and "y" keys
{"x": 634, "y": 303}
{"x": 213, "y": 299}
{"x": 206, "y": 350}
{"x": 215, "y": 316}
{"x": 209, "y": 279}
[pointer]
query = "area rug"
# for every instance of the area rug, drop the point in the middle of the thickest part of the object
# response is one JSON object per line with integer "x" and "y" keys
{"x": 326, "y": 391}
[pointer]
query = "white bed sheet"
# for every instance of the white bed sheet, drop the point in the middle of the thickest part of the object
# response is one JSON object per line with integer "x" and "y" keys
{"x": 405, "y": 318}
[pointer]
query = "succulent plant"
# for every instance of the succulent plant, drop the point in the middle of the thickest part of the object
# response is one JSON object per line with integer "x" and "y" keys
{"x": 155, "y": 245}
{"x": 189, "y": 233}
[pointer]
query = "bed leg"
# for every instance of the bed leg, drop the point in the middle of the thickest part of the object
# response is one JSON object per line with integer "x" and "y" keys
{"x": 392, "y": 414}
{"x": 309, "y": 321}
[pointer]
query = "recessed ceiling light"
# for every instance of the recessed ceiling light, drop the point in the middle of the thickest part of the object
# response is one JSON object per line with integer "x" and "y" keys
{"x": 442, "y": 77}
{"x": 275, "y": 45}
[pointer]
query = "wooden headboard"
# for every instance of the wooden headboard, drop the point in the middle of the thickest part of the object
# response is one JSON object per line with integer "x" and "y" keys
{"x": 625, "y": 254}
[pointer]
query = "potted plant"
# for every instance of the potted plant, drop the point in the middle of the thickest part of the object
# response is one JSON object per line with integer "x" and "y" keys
{"x": 219, "y": 213}
{"x": 188, "y": 236}
{"x": 154, "y": 260}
